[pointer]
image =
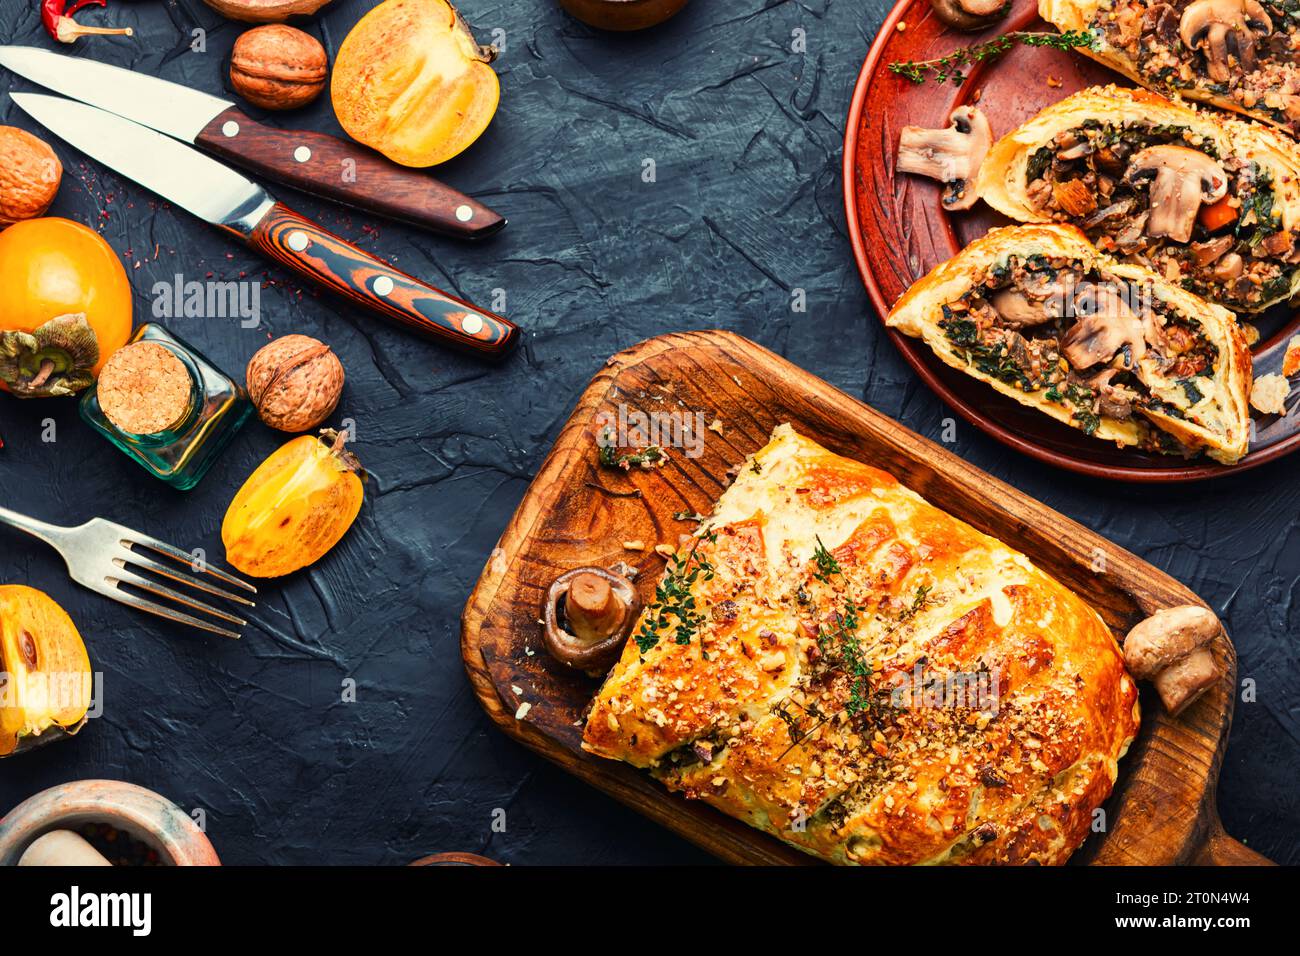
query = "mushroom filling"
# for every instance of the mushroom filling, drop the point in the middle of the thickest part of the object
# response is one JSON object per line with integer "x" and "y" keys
{"x": 1090, "y": 342}
{"x": 1163, "y": 196}
{"x": 1241, "y": 49}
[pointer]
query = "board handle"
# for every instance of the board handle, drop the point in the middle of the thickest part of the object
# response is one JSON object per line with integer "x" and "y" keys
{"x": 305, "y": 247}
{"x": 326, "y": 166}
{"x": 1222, "y": 850}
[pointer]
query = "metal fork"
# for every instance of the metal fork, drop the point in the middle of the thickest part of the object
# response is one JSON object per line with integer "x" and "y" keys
{"x": 101, "y": 555}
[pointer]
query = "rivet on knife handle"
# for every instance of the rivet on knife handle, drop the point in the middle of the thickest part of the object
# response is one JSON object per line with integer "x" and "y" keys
{"x": 305, "y": 247}
{"x": 326, "y": 166}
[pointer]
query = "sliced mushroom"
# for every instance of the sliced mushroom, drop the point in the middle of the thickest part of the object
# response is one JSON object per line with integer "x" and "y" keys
{"x": 1114, "y": 401}
{"x": 1115, "y": 209}
{"x": 952, "y": 156}
{"x": 1182, "y": 179}
{"x": 970, "y": 15}
{"x": 1017, "y": 310}
{"x": 1229, "y": 267}
{"x": 1207, "y": 253}
{"x": 1035, "y": 301}
{"x": 1105, "y": 325}
{"x": 587, "y": 616}
{"x": 1223, "y": 28}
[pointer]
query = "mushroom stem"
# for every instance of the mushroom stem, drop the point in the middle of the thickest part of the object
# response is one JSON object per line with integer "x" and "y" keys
{"x": 587, "y": 616}
{"x": 592, "y": 609}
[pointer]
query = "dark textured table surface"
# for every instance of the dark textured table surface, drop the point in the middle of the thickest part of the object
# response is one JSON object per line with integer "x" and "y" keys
{"x": 745, "y": 133}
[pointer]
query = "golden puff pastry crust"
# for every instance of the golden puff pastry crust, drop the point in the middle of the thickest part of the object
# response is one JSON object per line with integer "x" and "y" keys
{"x": 1201, "y": 411}
{"x": 1133, "y": 38}
{"x": 1241, "y": 148}
{"x": 872, "y": 680}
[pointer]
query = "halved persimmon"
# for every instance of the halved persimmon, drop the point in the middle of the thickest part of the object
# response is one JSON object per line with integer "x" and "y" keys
{"x": 411, "y": 81}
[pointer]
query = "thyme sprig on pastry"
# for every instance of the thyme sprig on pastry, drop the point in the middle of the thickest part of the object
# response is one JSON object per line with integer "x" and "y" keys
{"x": 674, "y": 600}
{"x": 951, "y": 68}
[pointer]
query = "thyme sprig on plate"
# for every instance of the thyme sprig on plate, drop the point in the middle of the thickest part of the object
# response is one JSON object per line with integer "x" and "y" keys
{"x": 674, "y": 600}
{"x": 951, "y": 68}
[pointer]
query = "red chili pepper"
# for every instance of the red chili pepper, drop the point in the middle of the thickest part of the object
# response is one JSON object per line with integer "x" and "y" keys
{"x": 57, "y": 17}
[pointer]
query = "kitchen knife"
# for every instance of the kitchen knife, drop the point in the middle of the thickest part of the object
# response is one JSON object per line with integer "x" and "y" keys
{"x": 313, "y": 162}
{"x": 226, "y": 199}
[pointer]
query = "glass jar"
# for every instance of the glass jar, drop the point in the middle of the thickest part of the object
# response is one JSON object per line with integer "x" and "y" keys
{"x": 182, "y": 451}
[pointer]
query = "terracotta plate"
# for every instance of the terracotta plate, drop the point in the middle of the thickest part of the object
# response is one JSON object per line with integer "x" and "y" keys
{"x": 900, "y": 231}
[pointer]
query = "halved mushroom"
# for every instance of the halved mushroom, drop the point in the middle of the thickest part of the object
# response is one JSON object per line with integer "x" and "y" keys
{"x": 1114, "y": 401}
{"x": 1221, "y": 28}
{"x": 970, "y": 15}
{"x": 952, "y": 156}
{"x": 1035, "y": 302}
{"x": 1206, "y": 253}
{"x": 588, "y": 614}
{"x": 1229, "y": 267}
{"x": 1182, "y": 179}
{"x": 1017, "y": 310}
{"x": 1105, "y": 325}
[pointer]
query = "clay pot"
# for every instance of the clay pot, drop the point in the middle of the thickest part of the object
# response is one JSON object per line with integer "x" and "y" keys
{"x": 137, "y": 812}
{"x": 622, "y": 14}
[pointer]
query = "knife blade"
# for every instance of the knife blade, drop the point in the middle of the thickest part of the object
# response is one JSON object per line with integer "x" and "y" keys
{"x": 224, "y": 198}
{"x": 313, "y": 162}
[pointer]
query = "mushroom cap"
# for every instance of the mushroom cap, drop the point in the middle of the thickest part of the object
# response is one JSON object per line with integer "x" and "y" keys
{"x": 970, "y": 15}
{"x": 1167, "y": 636}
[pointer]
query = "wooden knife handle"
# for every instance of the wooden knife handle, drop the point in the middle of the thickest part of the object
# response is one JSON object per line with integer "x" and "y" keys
{"x": 300, "y": 244}
{"x": 353, "y": 175}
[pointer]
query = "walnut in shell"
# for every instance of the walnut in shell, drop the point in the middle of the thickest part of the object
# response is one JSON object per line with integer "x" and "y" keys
{"x": 295, "y": 382}
{"x": 30, "y": 174}
{"x": 278, "y": 67}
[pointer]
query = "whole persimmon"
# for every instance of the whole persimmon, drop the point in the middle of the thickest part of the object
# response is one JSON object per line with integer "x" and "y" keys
{"x": 65, "y": 306}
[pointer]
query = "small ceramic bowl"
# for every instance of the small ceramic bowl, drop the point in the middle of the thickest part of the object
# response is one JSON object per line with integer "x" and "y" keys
{"x": 622, "y": 14}
{"x": 454, "y": 859}
{"x": 139, "y": 813}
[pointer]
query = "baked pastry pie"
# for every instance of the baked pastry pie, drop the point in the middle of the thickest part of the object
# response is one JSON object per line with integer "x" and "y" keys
{"x": 1238, "y": 54}
{"x": 1107, "y": 347}
{"x": 841, "y": 664}
{"x": 1211, "y": 203}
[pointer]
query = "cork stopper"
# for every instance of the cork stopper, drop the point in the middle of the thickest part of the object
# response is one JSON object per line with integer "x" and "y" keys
{"x": 144, "y": 388}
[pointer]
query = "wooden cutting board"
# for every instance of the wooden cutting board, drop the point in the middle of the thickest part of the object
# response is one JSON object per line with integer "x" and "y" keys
{"x": 579, "y": 513}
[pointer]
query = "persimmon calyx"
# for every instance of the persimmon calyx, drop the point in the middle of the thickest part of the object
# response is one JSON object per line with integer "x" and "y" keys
{"x": 51, "y": 361}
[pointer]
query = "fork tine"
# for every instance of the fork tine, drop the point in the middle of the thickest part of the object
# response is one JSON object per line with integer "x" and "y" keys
{"x": 162, "y": 547}
{"x": 168, "y": 571}
{"x": 135, "y": 601}
{"x": 135, "y": 580}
